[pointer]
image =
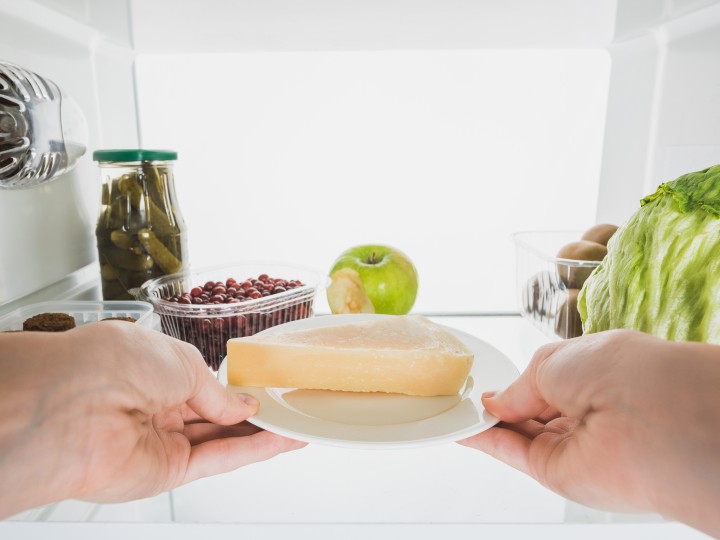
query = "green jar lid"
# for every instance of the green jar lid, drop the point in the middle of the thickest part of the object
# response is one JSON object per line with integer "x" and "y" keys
{"x": 134, "y": 155}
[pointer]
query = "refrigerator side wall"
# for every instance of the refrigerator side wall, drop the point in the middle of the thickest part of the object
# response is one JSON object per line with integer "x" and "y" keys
{"x": 663, "y": 103}
{"x": 47, "y": 232}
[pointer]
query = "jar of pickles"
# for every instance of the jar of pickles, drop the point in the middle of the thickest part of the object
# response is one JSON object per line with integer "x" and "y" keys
{"x": 140, "y": 232}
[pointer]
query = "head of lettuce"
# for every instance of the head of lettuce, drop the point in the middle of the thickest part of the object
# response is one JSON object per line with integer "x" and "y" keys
{"x": 662, "y": 271}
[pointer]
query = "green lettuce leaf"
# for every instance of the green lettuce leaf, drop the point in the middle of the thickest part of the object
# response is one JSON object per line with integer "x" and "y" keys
{"x": 662, "y": 271}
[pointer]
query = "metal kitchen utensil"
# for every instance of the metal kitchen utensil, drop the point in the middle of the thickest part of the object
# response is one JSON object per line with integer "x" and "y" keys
{"x": 43, "y": 132}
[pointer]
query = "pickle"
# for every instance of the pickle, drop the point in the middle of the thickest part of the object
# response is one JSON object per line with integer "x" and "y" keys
{"x": 125, "y": 240}
{"x": 132, "y": 189}
{"x": 118, "y": 214}
{"x": 102, "y": 234}
{"x": 156, "y": 185}
{"x": 115, "y": 290}
{"x": 125, "y": 217}
{"x": 108, "y": 273}
{"x": 159, "y": 220}
{"x": 160, "y": 214}
{"x": 120, "y": 258}
{"x": 176, "y": 245}
{"x": 162, "y": 256}
{"x": 160, "y": 199}
{"x": 105, "y": 194}
{"x": 136, "y": 279}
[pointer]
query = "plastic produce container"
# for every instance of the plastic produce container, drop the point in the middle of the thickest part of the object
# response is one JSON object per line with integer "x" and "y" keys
{"x": 208, "y": 326}
{"x": 547, "y": 285}
{"x": 83, "y": 311}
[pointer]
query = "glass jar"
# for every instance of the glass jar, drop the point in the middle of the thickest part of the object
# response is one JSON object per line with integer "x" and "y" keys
{"x": 140, "y": 233}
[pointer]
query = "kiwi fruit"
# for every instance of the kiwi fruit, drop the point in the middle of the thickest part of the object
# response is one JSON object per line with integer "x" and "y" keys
{"x": 568, "y": 323}
{"x": 572, "y": 275}
{"x": 600, "y": 233}
{"x": 583, "y": 250}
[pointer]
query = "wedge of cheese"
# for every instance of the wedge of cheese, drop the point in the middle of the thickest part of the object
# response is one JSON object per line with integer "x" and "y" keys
{"x": 401, "y": 354}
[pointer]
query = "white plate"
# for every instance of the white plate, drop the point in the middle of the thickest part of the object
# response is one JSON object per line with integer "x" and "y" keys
{"x": 377, "y": 420}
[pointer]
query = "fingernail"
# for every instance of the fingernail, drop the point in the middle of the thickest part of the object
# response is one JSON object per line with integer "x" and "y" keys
{"x": 248, "y": 399}
{"x": 488, "y": 395}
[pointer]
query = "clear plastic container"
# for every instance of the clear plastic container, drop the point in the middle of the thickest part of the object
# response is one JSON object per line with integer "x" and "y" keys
{"x": 140, "y": 232}
{"x": 209, "y": 326}
{"x": 83, "y": 311}
{"x": 547, "y": 285}
{"x": 43, "y": 132}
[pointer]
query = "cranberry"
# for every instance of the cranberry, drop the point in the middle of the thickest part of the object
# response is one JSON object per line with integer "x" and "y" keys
{"x": 209, "y": 335}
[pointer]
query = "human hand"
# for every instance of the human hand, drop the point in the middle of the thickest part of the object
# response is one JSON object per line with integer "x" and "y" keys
{"x": 618, "y": 420}
{"x": 113, "y": 411}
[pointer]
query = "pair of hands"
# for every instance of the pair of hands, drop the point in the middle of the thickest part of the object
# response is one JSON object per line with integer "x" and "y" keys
{"x": 619, "y": 420}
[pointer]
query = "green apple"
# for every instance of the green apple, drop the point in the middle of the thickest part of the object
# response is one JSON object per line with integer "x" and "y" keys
{"x": 372, "y": 279}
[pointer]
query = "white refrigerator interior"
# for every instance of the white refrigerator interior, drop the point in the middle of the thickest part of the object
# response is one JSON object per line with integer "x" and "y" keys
{"x": 305, "y": 127}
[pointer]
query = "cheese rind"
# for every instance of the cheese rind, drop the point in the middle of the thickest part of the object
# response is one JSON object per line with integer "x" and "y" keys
{"x": 402, "y": 354}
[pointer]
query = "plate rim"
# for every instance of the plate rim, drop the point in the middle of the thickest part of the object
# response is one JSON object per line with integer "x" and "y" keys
{"x": 484, "y": 422}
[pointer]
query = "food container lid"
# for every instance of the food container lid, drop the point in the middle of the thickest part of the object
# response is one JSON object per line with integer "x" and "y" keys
{"x": 83, "y": 311}
{"x": 153, "y": 290}
{"x": 134, "y": 154}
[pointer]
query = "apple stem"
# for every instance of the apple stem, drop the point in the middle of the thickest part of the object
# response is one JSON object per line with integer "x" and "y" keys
{"x": 373, "y": 258}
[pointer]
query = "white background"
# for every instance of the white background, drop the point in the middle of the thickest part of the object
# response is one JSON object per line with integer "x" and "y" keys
{"x": 296, "y": 156}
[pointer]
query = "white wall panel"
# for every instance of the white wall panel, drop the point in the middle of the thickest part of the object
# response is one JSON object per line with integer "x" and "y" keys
{"x": 628, "y": 128}
{"x": 298, "y": 156}
{"x": 189, "y": 26}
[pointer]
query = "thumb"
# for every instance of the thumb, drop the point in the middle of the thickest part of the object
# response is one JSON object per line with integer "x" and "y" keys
{"x": 215, "y": 403}
{"x": 521, "y": 400}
